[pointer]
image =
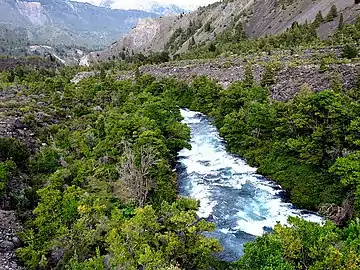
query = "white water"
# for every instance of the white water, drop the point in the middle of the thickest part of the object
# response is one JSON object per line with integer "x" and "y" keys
{"x": 242, "y": 203}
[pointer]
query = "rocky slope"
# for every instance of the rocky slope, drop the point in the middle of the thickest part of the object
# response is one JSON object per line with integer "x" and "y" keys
{"x": 13, "y": 101}
{"x": 9, "y": 226}
{"x": 295, "y": 71}
{"x": 66, "y": 22}
{"x": 259, "y": 18}
{"x": 288, "y": 81}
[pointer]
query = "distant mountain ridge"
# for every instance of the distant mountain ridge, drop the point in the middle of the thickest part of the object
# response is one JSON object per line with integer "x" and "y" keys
{"x": 152, "y": 7}
{"x": 258, "y": 18}
{"x": 164, "y": 10}
{"x": 68, "y": 22}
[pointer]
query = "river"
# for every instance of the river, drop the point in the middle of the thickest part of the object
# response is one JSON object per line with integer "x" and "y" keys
{"x": 242, "y": 203}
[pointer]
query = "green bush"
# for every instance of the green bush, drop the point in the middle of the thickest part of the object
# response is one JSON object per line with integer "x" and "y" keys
{"x": 350, "y": 51}
{"x": 12, "y": 149}
{"x": 304, "y": 243}
{"x": 5, "y": 173}
{"x": 46, "y": 161}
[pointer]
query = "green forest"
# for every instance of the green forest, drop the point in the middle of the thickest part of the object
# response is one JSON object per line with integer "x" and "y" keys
{"x": 101, "y": 191}
{"x": 98, "y": 184}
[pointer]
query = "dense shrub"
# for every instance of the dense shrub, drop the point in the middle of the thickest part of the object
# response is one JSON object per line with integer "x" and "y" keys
{"x": 350, "y": 51}
{"x": 12, "y": 149}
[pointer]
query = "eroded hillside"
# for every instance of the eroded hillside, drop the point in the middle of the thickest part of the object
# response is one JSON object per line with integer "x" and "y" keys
{"x": 177, "y": 34}
{"x": 67, "y": 22}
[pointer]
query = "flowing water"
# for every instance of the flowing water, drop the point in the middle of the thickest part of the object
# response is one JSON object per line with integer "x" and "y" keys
{"x": 243, "y": 204}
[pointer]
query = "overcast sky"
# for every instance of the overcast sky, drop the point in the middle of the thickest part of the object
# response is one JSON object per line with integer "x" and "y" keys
{"x": 128, "y": 4}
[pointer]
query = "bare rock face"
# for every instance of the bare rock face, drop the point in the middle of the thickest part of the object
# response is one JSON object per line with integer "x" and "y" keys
{"x": 339, "y": 214}
{"x": 270, "y": 18}
{"x": 290, "y": 80}
{"x": 82, "y": 75}
{"x": 154, "y": 34}
{"x": 259, "y": 18}
{"x": 34, "y": 12}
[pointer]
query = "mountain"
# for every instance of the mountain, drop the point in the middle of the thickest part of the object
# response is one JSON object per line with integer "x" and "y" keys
{"x": 55, "y": 22}
{"x": 258, "y": 18}
{"x": 164, "y": 10}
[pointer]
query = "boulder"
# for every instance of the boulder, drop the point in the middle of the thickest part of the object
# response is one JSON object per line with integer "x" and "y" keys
{"x": 6, "y": 246}
{"x": 18, "y": 124}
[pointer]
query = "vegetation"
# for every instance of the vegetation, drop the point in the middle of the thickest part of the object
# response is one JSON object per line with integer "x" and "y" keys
{"x": 100, "y": 187}
{"x": 332, "y": 14}
{"x": 309, "y": 145}
{"x": 233, "y": 40}
{"x": 102, "y": 192}
{"x": 304, "y": 245}
{"x": 103, "y": 185}
{"x": 180, "y": 36}
{"x": 350, "y": 51}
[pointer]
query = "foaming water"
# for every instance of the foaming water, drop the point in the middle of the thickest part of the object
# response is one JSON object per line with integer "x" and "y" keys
{"x": 242, "y": 203}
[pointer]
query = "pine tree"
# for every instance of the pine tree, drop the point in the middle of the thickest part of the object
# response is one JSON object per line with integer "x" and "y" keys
{"x": 332, "y": 14}
{"x": 207, "y": 27}
{"x": 249, "y": 76}
{"x": 350, "y": 51}
{"x": 269, "y": 75}
{"x": 239, "y": 32}
{"x": 102, "y": 74}
{"x": 191, "y": 42}
{"x": 319, "y": 19}
{"x": 212, "y": 47}
{"x": 341, "y": 22}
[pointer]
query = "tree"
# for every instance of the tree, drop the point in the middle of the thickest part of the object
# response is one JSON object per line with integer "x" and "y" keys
{"x": 135, "y": 181}
{"x": 212, "y": 47}
{"x": 239, "y": 33}
{"x": 207, "y": 27}
{"x": 6, "y": 169}
{"x": 249, "y": 76}
{"x": 319, "y": 19}
{"x": 102, "y": 74}
{"x": 206, "y": 94}
{"x": 350, "y": 51}
{"x": 303, "y": 243}
{"x": 332, "y": 14}
{"x": 191, "y": 42}
{"x": 341, "y": 22}
{"x": 269, "y": 75}
{"x": 157, "y": 239}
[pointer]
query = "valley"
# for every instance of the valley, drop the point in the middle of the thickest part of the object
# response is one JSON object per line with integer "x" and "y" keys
{"x": 226, "y": 138}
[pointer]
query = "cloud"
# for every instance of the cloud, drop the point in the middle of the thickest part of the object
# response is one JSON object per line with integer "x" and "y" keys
{"x": 133, "y": 4}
